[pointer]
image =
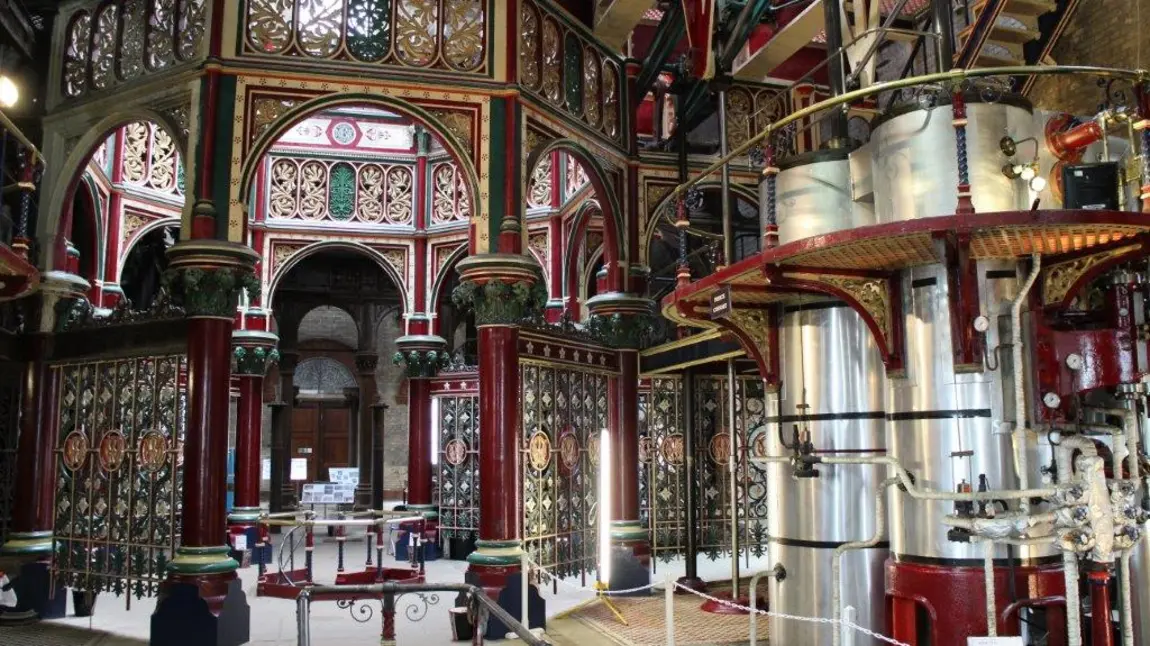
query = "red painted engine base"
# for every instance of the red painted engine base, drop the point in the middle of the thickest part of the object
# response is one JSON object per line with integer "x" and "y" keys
{"x": 952, "y": 601}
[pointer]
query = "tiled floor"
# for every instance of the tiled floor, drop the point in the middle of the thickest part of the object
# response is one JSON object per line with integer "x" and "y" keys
{"x": 274, "y": 620}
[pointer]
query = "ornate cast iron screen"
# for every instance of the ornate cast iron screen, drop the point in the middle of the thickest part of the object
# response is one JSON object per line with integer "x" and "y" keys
{"x": 564, "y": 408}
{"x": 663, "y": 447}
{"x": 119, "y": 472}
{"x": 9, "y": 434}
{"x": 457, "y": 479}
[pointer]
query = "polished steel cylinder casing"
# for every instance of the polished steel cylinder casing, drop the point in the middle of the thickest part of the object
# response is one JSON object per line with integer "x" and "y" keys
{"x": 915, "y": 162}
{"x": 829, "y": 359}
{"x": 814, "y": 198}
{"x": 948, "y": 428}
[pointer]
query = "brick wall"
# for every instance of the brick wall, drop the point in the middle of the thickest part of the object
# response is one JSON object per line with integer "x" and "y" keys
{"x": 1102, "y": 32}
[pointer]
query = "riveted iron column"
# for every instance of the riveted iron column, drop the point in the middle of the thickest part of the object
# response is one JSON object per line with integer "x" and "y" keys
{"x": 254, "y": 352}
{"x": 623, "y": 321}
{"x": 32, "y": 517}
{"x": 503, "y": 290}
{"x": 422, "y": 356}
{"x": 202, "y": 595}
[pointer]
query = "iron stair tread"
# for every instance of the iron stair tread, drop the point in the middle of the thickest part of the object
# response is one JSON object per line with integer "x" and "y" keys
{"x": 1003, "y": 34}
{"x": 1019, "y": 8}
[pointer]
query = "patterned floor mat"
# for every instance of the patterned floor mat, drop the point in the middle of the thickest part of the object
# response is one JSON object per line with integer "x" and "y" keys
{"x": 45, "y": 634}
{"x": 645, "y": 616}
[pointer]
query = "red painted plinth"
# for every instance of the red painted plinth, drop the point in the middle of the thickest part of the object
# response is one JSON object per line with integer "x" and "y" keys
{"x": 717, "y": 608}
{"x": 289, "y": 583}
{"x": 954, "y": 601}
{"x": 419, "y": 442}
{"x": 206, "y": 441}
{"x": 249, "y": 421}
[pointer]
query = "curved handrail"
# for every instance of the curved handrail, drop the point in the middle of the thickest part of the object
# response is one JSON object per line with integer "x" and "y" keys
{"x": 951, "y": 76}
{"x": 393, "y": 589}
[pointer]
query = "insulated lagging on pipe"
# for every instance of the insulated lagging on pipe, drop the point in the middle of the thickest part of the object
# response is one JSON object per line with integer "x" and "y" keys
{"x": 1021, "y": 460}
{"x": 836, "y": 562}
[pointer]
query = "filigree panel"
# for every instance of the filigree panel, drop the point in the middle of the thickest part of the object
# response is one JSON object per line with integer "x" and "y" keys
{"x": 440, "y": 34}
{"x": 661, "y": 454}
{"x": 340, "y": 191}
{"x": 119, "y": 473}
{"x": 539, "y": 186}
{"x": 739, "y": 117}
{"x": 150, "y": 159}
{"x": 563, "y": 411}
{"x": 576, "y": 177}
{"x": 127, "y": 40}
{"x": 457, "y": 482}
{"x": 450, "y": 201}
{"x": 569, "y": 71}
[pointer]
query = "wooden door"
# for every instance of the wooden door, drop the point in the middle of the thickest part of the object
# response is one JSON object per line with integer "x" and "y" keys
{"x": 321, "y": 434}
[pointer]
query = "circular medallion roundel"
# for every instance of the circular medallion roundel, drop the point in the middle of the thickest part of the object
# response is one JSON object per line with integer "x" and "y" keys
{"x": 152, "y": 452}
{"x": 672, "y": 448}
{"x": 343, "y": 133}
{"x": 75, "y": 450}
{"x": 644, "y": 449}
{"x": 720, "y": 448}
{"x": 539, "y": 451}
{"x": 593, "y": 449}
{"x": 569, "y": 451}
{"x": 113, "y": 447}
{"x": 455, "y": 452}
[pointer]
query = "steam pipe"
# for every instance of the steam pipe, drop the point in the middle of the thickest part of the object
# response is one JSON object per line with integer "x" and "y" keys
{"x": 944, "y": 25}
{"x": 833, "y": 28}
{"x": 1021, "y": 460}
{"x": 991, "y": 601}
{"x": 1073, "y": 600}
{"x": 836, "y": 562}
{"x": 1126, "y": 599}
{"x": 949, "y": 77}
{"x": 1064, "y": 144}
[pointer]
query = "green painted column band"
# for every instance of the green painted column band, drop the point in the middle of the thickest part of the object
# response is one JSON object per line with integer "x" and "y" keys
{"x": 28, "y": 543}
{"x": 203, "y": 560}
{"x": 496, "y": 553}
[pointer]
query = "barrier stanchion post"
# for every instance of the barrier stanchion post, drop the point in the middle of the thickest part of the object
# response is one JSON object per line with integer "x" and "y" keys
{"x": 303, "y": 618}
{"x": 848, "y": 635}
{"x": 523, "y": 596}
{"x": 669, "y": 610}
{"x": 370, "y": 534}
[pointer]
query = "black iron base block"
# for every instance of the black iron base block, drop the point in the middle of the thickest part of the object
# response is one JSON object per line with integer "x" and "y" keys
{"x": 627, "y": 573}
{"x": 184, "y": 618}
{"x": 36, "y": 598}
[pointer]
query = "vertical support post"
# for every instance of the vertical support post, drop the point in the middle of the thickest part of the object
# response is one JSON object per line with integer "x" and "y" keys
{"x": 281, "y": 434}
{"x": 387, "y": 630}
{"x": 669, "y": 609}
{"x": 340, "y": 545}
{"x": 1101, "y": 626}
{"x": 943, "y": 19}
{"x": 836, "y": 79}
{"x": 690, "y": 578}
{"x": 379, "y": 412}
{"x": 419, "y": 445}
{"x": 365, "y": 365}
{"x": 303, "y": 618}
{"x": 309, "y": 549}
{"x": 733, "y": 468}
{"x": 958, "y": 110}
{"x": 34, "y": 501}
{"x": 254, "y": 352}
{"x": 208, "y": 274}
{"x": 770, "y": 179}
{"x": 524, "y": 569}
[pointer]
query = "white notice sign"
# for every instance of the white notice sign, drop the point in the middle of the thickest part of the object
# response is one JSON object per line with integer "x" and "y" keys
{"x": 266, "y": 469}
{"x": 240, "y": 542}
{"x": 994, "y": 641}
{"x": 299, "y": 468}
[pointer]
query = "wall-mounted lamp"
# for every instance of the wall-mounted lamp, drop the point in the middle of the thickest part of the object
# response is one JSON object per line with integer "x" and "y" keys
{"x": 1027, "y": 172}
{"x": 1009, "y": 146}
{"x": 9, "y": 93}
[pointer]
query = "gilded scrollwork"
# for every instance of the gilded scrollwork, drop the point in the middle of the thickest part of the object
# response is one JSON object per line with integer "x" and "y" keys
{"x": 458, "y": 124}
{"x": 463, "y": 34}
{"x": 449, "y": 202}
{"x": 756, "y": 326}
{"x": 1058, "y": 279}
{"x": 739, "y": 112}
{"x": 134, "y": 168}
{"x": 131, "y": 63}
{"x": 104, "y": 47}
{"x": 191, "y": 28}
{"x": 284, "y": 186}
{"x": 552, "y": 72}
{"x": 416, "y": 31}
{"x": 161, "y": 23}
{"x": 319, "y": 26}
{"x": 399, "y": 195}
{"x": 351, "y": 192}
{"x": 270, "y": 24}
{"x": 591, "y": 99}
{"x": 611, "y": 100}
{"x": 76, "y": 55}
{"x": 870, "y": 293}
{"x": 539, "y": 187}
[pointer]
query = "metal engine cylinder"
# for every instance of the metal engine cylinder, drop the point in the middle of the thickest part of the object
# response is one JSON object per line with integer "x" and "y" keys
{"x": 916, "y": 166}
{"x": 831, "y": 363}
{"x": 813, "y": 194}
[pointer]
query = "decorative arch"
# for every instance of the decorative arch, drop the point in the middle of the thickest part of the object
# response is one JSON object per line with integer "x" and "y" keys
{"x": 437, "y": 287}
{"x": 587, "y": 273}
{"x": 54, "y": 214}
{"x": 323, "y": 375}
{"x": 708, "y": 185}
{"x": 264, "y": 141}
{"x": 86, "y": 191}
{"x": 138, "y": 235}
{"x": 355, "y": 247}
{"x": 350, "y": 318}
{"x": 571, "y": 268}
{"x": 613, "y": 231}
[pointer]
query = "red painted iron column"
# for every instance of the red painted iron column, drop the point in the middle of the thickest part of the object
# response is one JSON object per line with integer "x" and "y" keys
{"x": 255, "y": 351}
{"x": 34, "y": 501}
{"x": 202, "y": 595}
{"x": 503, "y": 290}
{"x": 623, "y": 321}
{"x": 421, "y": 355}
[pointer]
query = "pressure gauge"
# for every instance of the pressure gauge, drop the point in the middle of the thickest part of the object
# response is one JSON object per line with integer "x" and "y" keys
{"x": 981, "y": 324}
{"x": 1074, "y": 362}
{"x": 1052, "y": 400}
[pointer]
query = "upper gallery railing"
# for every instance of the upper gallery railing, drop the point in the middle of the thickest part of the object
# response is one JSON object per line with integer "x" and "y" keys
{"x": 445, "y": 35}
{"x": 107, "y": 44}
{"x": 562, "y": 64}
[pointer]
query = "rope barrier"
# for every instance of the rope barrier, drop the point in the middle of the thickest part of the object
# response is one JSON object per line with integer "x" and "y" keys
{"x": 845, "y": 623}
